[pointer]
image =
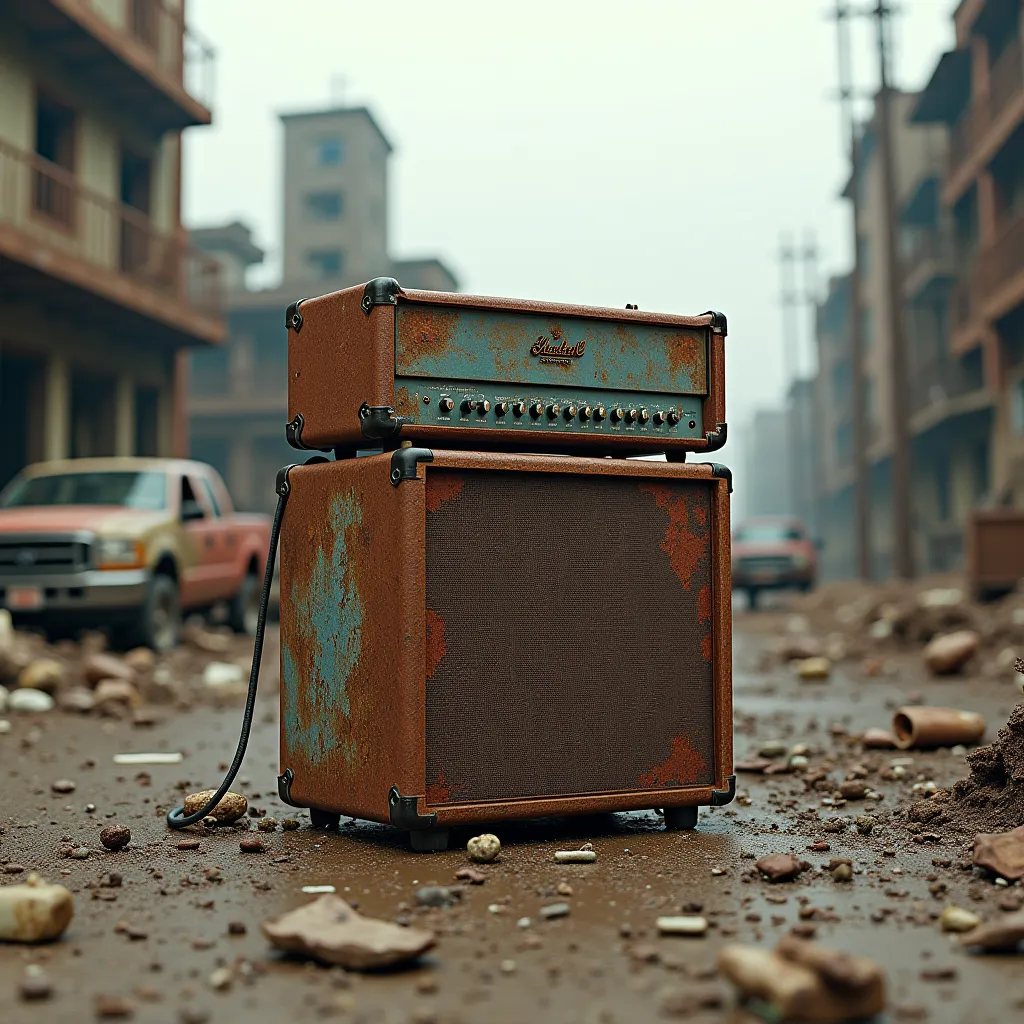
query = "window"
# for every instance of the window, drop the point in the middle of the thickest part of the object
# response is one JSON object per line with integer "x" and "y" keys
{"x": 324, "y": 205}
{"x": 211, "y": 497}
{"x": 190, "y": 507}
{"x": 327, "y": 262}
{"x": 210, "y": 371}
{"x": 52, "y": 192}
{"x": 768, "y": 533}
{"x": 145, "y": 490}
{"x": 147, "y": 433}
{"x": 330, "y": 152}
{"x": 1017, "y": 407}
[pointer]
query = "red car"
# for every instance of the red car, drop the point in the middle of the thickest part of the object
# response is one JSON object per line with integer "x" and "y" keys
{"x": 772, "y": 553}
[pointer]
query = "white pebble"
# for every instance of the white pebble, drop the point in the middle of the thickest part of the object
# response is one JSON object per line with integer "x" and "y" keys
{"x": 682, "y": 925}
{"x": 5, "y": 726}
{"x": 318, "y": 888}
{"x": 29, "y": 700}
{"x": 575, "y": 856}
{"x": 523, "y": 922}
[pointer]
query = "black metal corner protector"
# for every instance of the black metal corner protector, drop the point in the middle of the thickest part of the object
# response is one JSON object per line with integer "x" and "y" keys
{"x": 281, "y": 485}
{"x": 719, "y": 324}
{"x": 284, "y": 787}
{"x": 716, "y": 438}
{"x": 381, "y": 291}
{"x": 404, "y": 460}
{"x": 379, "y": 422}
{"x": 722, "y": 472}
{"x": 721, "y": 797}
{"x": 404, "y": 814}
{"x": 293, "y": 432}
{"x": 293, "y": 318}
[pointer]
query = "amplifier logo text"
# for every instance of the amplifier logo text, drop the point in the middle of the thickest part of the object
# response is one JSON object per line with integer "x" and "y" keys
{"x": 553, "y": 350}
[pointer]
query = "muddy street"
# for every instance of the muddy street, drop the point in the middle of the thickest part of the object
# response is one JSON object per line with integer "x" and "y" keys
{"x": 168, "y": 928}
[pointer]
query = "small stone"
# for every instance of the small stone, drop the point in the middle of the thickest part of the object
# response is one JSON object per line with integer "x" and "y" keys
{"x": 437, "y": 896}
{"x": 575, "y": 856}
{"x": 140, "y": 659}
{"x": 220, "y": 980}
{"x": 80, "y": 853}
{"x": 781, "y": 867}
{"x": 1002, "y": 853}
{"x": 231, "y": 807}
{"x": 236, "y": 928}
{"x": 508, "y": 967}
{"x": 948, "y": 653}
{"x": 682, "y": 925}
{"x": 189, "y": 844}
{"x": 814, "y": 669}
{"x": 564, "y": 889}
{"x": 115, "y": 695}
{"x": 471, "y": 875}
{"x": 99, "y": 666}
{"x": 112, "y": 1007}
{"x": 78, "y": 699}
{"x": 772, "y": 749}
{"x": 854, "y": 789}
{"x": 289, "y": 824}
{"x": 252, "y": 844}
{"x": 865, "y": 824}
{"x": 1003, "y": 934}
{"x": 956, "y": 919}
{"x": 116, "y": 837}
{"x": 553, "y": 910}
{"x": 13, "y": 869}
{"x": 43, "y": 674}
{"x": 62, "y": 786}
{"x": 842, "y": 873}
{"x": 34, "y": 911}
{"x": 224, "y": 676}
{"x": 35, "y": 985}
{"x": 29, "y": 701}
{"x": 267, "y": 824}
{"x": 484, "y": 848}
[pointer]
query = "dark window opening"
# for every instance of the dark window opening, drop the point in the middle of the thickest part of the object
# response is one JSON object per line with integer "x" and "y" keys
{"x": 147, "y": 415}
{"x": 52, "y": 190}
{"x": 324, "y": 205}
{"x": 136, "y": 177}
{"x": 327, "y": 262}
{"x": 93, "y": 404}
{"x": 143, "y": 18}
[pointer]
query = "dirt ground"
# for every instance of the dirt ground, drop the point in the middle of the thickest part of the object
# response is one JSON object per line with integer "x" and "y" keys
{"x": 155, "y": 940}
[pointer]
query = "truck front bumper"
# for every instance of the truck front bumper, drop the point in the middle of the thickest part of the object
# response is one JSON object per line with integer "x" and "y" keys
{"x": 90, "y": 590}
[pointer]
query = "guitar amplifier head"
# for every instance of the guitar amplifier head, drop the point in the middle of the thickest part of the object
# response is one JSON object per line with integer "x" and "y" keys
{"x": 376, "y": 362}
{"x": 476, "y": 637}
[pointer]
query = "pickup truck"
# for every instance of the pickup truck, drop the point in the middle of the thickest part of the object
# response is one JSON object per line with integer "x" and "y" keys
{"x": 772, "y": 553}
{"x": 127, "y": 544}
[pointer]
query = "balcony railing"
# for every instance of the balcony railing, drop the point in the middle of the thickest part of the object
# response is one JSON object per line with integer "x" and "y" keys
{"x": 47, "y": 203}
{"x": 1006, "y": 80}
{"x": 1003, "y": 258}
{"x": 938, "y": 379}
{"x": 178, "y": 52}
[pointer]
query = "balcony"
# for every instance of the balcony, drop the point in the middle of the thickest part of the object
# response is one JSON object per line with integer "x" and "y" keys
{"x": 138, "y": 52}
{"x": 94, "y": 256}
{"x": 942, "y": 387}
{"x": 930, "y": 260}
{"x": 1001, "y": 277}
{"x": 986, "y": 124}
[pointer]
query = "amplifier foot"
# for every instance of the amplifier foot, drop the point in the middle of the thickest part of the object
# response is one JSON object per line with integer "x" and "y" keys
{"x": 323, "y": 819}
{"x": 678, "y": 819}
{"x": 428, "y": 840}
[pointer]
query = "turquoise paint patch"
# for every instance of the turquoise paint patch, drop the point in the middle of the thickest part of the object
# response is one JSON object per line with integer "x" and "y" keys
{"x": 329, "y": 614}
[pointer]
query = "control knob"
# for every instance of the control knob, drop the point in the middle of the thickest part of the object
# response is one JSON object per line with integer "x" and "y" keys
{"x": 644, "y": 416}
{"x": 467, "y": 406}
{"x": 446, "y": 405}
{"x": 585, "y": 413}
{"x": 631, "y": 415}
{"x": 554, "y": 411}
{"x": 570, "y": 412}
{"x": 500, "y": 408}
{"x": 618, "y": 414}
{"x": 673, "y": 417}
{"x": 518, "y": 408}
{"x": 659, "y": 418}
{"x": 483, "y": 407}
{"x": 600, "y": 412}
{"x": 537, "y": 410}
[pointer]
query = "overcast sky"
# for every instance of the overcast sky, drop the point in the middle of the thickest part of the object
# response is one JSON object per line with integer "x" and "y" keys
{"x": 597, "y": 152}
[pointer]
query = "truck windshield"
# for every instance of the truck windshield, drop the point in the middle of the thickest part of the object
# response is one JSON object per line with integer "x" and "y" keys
{"x": 141, "y": 490}
{"x": 767, "y": 533}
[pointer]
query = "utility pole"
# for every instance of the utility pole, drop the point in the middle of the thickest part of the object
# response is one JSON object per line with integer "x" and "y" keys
{"x": 861, "y": 502}
{"x": 903, "y": 552}
{"x": 809, "y": 465}
{"x": 790, "y": 361}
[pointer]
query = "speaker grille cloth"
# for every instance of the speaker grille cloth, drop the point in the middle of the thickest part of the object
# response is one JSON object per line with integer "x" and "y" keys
{"x": 568, "y": 635}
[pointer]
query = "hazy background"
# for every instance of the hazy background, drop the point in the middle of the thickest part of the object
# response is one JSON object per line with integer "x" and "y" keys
{"x": 602, "y": 153}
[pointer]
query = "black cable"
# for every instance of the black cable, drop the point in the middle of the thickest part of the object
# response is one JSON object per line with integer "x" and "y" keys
{"x": 176, "y": 817}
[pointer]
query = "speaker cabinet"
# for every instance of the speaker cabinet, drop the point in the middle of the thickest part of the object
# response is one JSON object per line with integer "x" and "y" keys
{"x": 476, "y": 637}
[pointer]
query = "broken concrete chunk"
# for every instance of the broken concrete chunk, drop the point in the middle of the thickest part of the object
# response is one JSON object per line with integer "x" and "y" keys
{"x": 781, "y": 867}
{"x": 329, "y": 930}
{"x": 956, "y": 919}
{"x": 688, "y": 925}
{"x": 1001, "y": 853}
{"x": 42, "y": 674}
{"x": 484, "y": 848}
{"x": 79, "y": 699}
{"x": 231, "y": 807}
{"x": 29, "y": 700}
{"x": 1001, "y": 935}
{"x": 813, "y": 669}
{"x": 116, "y": 692}
{"x": 817, "y": 989}
{"x": 878, "y": 739}
{"x": 35, "y": 911}
{"x": 575, "y": 856}
{"x": 98, "y": 667}
{"x": 948, "y": 653}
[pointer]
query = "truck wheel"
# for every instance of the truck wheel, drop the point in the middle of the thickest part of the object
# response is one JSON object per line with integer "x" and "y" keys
{"x": 752, "y": 595}
{"x": 159, "y": 619}
{"x": 244, "y": 613}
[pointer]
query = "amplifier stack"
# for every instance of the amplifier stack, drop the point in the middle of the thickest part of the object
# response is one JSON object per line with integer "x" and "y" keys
{"x": 488, "y": 611}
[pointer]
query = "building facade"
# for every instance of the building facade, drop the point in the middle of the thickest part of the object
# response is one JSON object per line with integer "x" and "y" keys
{"x": 335, "y": 219}
{"x": 767, "y": 487}
{"x": 100, "y": 292}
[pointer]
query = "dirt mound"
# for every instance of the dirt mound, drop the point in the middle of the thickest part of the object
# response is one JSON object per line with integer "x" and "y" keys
{"x": 991, "y": 798}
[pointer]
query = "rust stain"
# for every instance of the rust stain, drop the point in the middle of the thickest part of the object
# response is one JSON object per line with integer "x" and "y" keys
{"x": 442, "y": 488}
{"x": 684, "y": 767}
{"x": 403, "y": 402}
{"x": 684, "y": 548}
{"x": 438, "y": 791}
{"x": 705, "y": 647}
{"x": 427, "y": 332}
{"x": 685, "y": 357}
{"x": 435, "y": 644}
{"x": 704, "y": 604}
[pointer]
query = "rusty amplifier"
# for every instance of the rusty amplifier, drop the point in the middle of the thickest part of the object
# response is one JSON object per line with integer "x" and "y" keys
{"x": 375, "y": 363}
{"x": 478, "y": 636}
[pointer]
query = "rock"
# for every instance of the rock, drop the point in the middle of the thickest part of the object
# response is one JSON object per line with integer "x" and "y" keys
{"x": 3, "y": 697}
{"x": 553, "y": 910}
{"x": 781, "y": 867}
{"x": 438, "y": 895}
{"x": 35, "y": 984}
{"x": 6, "y": 630}
{"x": 140, "y": 659}
{"x": 62, "y": 786}
{"x": 878, "y": 739}
{"x": 484, "y": 849}
{"x": 1002, "y": 935}
{"x": 471, "y": 875}
{"x": 575, "y": 856}
{"x": 1002, "y": 853}
{"x": 797, "y": 648}
{"x": 813, "y": 669}
{"x": 754, "y": 765}
{"x": 949, "y": 652}
{"x": 881, "y": 629}
{"x": 219, "y": 674}
{"x": 956, "y": 919}
{"x": 80, "y": 853}
{"x": 98, "y": 667}
{"x": 267, "y": 824}
{"x": 220, "y": 980}
{"x": 206, "y": 641}
{"x": 289, "y": 824}
{"x": 42, "y": 674}
{"x": 843, "y": 872}
{"x": 237, "y": 928}
{"x": 77, "y": 699}
{"x": 773, "y": 749}
{"x": 116, "y": 837}
{"x": 814, "y": 985}
{"x": 690, "y": 925}
{"x": 854, "y": 789}
{"x": 34, "y": 911}
{"x": 111, "y": 1007}
{"x": 232, "y": 806}
{"x": 329, "y": 930}
{"x": 29, "y": 700}
{"x": 252, "y": 845}
{"x": 116, "y": 693}
{"x": 865, "y": 824}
